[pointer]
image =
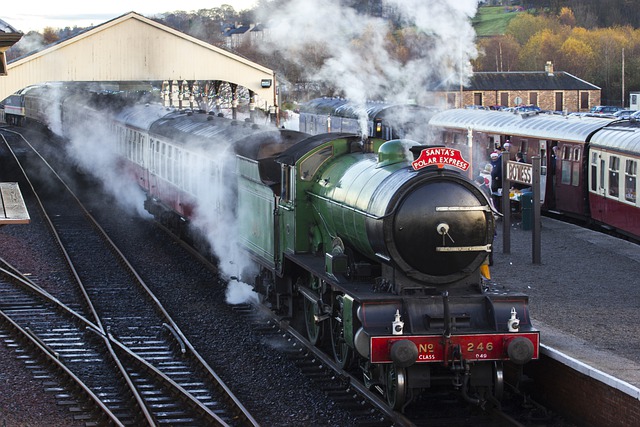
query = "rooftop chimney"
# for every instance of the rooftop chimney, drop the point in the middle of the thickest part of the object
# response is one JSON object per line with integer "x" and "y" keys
{"x": 548, "y": 68}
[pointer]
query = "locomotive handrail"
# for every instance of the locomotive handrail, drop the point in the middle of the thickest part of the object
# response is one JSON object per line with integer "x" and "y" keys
{"x": 485, "y": 208}
{"x": 350, "y": 208}
{"x": 479, "y": 248}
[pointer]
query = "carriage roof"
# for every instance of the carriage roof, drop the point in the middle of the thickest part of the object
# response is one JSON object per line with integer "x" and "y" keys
{"x": 543, "y": 126}
{"x": 623, "y": 136}
{"x": 341, "y": 107}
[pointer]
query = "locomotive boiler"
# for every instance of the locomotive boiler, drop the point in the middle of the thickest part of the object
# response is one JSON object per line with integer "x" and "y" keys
{"x": 372, "y": 247}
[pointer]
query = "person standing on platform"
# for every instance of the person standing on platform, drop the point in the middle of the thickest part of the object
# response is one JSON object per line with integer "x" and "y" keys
{"x": 496, "y": 179}
{"x": 552, "y": 171}
{"x": 520, "y": 159}
{"x": 507, "y": 149}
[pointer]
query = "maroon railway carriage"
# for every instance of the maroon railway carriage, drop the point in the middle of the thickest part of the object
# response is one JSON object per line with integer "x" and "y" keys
{"x": 614, "y": 154}
{"x": 580, "y": 185}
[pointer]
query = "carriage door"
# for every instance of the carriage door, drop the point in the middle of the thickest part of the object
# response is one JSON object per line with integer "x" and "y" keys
{"x": 544, "y": 161}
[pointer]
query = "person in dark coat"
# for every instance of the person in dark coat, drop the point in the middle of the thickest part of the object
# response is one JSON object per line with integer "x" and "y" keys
{"x": 520, "y": 159}
{"x": 496, "y": 179}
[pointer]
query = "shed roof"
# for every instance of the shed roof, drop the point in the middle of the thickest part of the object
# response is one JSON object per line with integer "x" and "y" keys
{"x": 6, "y": 28}
{"x": 134, "y": 48}
{"x": 527, "y": 80}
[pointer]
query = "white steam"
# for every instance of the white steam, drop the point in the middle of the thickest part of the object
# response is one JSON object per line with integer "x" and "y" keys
{"x": 94, "y": 153}
{"x": 240, "y": 293}
{"x": 364, "y": 60}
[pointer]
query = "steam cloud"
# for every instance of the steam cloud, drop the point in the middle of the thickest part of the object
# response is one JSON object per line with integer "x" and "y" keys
{"x": 362, "y": 63}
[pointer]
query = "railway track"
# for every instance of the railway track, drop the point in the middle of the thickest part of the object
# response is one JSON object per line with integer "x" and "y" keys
{"x": 138, "y": 368}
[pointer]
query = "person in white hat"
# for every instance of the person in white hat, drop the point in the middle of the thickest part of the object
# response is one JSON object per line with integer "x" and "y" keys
{"x": 507, "y": 149}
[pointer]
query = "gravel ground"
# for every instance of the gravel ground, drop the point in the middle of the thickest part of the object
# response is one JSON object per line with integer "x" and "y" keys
{"x": 23, "y": 400}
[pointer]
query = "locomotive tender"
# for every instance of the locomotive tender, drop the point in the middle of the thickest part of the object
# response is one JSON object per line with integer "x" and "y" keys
{"x": 372, "y": 246}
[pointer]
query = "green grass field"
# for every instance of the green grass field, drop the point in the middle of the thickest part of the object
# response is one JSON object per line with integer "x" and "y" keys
{"x": 492, "y": 21}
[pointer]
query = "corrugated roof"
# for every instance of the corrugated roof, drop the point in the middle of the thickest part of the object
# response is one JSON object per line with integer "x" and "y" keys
{"x": 530, "y": 80}
{"x": 545, "y": 126}
{"x": 6, "y": 28}
{"x": 623, "y": 136}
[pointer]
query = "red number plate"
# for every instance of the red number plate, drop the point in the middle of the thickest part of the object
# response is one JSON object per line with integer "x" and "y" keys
{"x": 472, "y": 347}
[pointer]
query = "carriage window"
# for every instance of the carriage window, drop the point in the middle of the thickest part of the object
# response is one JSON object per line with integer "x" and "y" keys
{"x": 163, "y": 161}
{"x": 566, "y": 172}
{"x": 285, "y": 189}
{"x": 575, "y": 178}
{"x": 614, "y": 167}
{"x": 448, "y": 138}
{"x": 631, "y": 171}
{"x": 141, "y": 153}
{"x": 186, "y": 175}
{"x": 169, "y": 175}
{"x": 570, "y": 165}
{"x": 310, "y": 165}
{"x": 577, "y": 154}
{"x": 594, "y": 171}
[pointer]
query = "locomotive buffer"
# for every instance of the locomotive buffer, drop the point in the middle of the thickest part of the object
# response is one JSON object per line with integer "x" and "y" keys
{"x": 14, "y": 210}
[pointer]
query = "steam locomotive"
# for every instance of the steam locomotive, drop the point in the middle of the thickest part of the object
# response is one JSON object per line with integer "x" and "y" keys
{"x": 372, "y": 246}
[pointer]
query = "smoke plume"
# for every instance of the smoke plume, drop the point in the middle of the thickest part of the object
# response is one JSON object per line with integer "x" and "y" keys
{"x": 367, "y": 57}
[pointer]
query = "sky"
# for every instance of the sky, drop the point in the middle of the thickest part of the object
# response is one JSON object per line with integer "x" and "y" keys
{"x": 35, "y": 15}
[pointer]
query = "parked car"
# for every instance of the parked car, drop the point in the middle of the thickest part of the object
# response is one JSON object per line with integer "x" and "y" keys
{"x": 527, "y": 109}
{"x": 605, "y": 109}
{"x": 623, "y": 114}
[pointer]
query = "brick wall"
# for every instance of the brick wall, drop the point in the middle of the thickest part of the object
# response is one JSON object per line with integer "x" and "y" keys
{"x": 546, "y": 99}
{"x": 582, "y": 400}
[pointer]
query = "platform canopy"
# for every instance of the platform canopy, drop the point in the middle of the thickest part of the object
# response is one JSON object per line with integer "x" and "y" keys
{"x": 134, "y": 48}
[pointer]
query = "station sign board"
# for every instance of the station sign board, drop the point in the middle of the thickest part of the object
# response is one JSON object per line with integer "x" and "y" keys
{"x": 520, "y": 172}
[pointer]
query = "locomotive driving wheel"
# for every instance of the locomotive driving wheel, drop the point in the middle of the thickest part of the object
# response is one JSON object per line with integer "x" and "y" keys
{"x": 313, "y": 309}
{"x": 396, "y": 386}
{"x": 498, "y": 381}
{"x": 314, "y": 328}
{"x": 342, "y": 353}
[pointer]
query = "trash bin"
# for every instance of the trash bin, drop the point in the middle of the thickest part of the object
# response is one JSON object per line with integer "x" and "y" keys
{"x": 526, "y": 204}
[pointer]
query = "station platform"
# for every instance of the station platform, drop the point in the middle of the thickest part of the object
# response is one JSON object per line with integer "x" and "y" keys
{"x": 12, "y": 206}
{"x": 584, "y": 297}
